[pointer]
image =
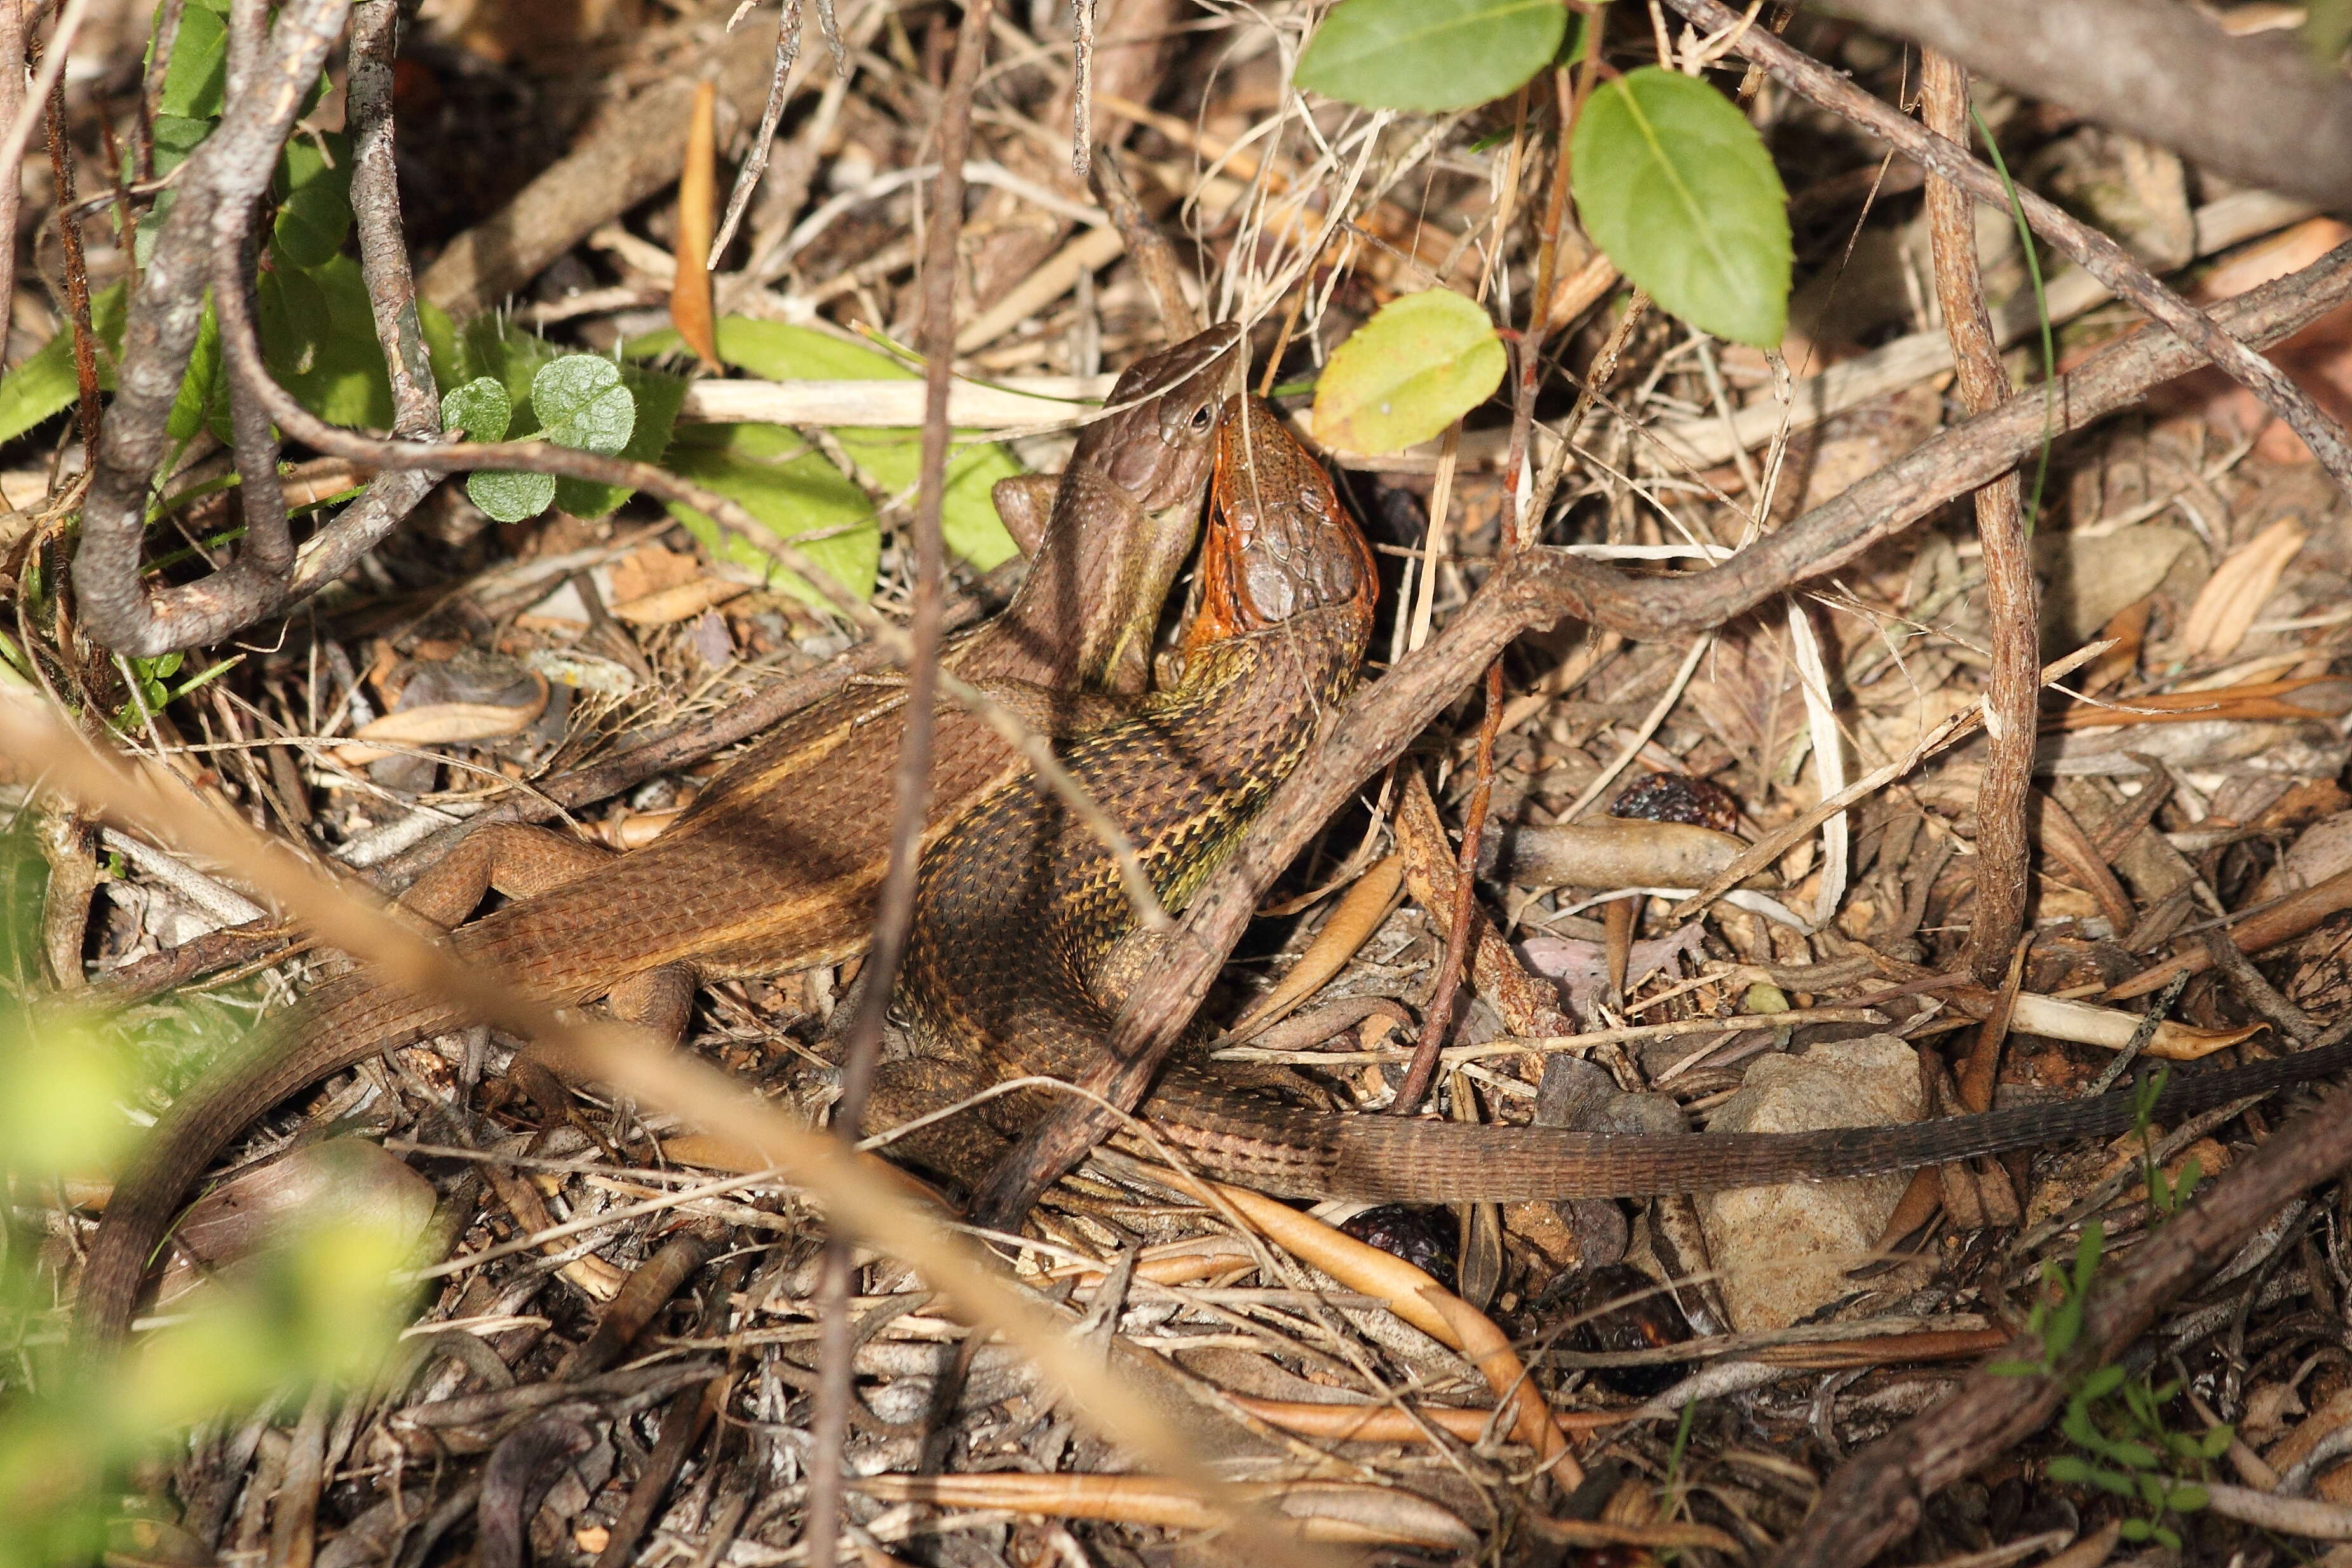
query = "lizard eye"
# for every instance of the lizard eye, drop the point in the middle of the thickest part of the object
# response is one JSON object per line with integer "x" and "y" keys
{"x": 1203, "y": 418}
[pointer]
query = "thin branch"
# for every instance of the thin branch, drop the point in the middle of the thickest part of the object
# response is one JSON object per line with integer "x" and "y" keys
{"x": 2003, "y": 854}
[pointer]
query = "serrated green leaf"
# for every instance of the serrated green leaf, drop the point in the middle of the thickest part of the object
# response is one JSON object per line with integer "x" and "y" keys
{"x": 1675, "y": 186}
{"x": 1419, "y": 365}
{"x": 314, "y": 200}
{"x": 480, "y": 409}
{"x": 890, "y": 458}
{"x": 658, "y": 397}
{"x": 582, "y": 404}
{"x": 1429, "y": 55}
{"x": 793, "y": 491}
{"x": 510, "y": 496}
{"x": 195, "y": 86}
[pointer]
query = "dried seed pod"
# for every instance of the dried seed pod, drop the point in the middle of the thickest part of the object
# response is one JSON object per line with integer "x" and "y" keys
{"x": 1610, "y": 852}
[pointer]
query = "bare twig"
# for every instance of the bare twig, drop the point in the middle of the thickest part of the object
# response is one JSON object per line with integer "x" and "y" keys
{"x": 2014, "y": 686}
{"x": 2098, "y": 254}
{"x": 14, "y": 14}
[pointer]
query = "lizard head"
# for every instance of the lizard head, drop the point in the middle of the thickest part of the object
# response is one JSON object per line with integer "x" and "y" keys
{"x": 1279, "y": 544}
{"x": 1161, "y": 435}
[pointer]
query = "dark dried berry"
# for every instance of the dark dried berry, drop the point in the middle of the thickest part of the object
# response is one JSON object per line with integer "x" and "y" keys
{"x": 1679, "y": 797}
{"x": 1421, "y": 1235}
{"x": 1649, "y": 1322}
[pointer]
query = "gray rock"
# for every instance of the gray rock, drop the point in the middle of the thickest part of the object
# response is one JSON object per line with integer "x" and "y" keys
{"x": 1783, "y": 1252}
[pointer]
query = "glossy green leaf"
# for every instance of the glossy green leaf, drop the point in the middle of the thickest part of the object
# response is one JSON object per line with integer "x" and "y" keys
{"x": 203, "y": 396}
{"x": 342, "y": 379}
{"x": 784, "y": 482}
{"x": 1675, "y": 184}
{"x": 1430, "y": 56}
{"x": 295, "y": 321}
{"x": 314, "y": 200}
{"x": 1419, "y": 365}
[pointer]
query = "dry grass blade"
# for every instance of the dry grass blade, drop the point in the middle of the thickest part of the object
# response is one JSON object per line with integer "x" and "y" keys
{"x": 2226, "y": 606}
{"x": 1324, "y": 1510}
{"x": 1360, "y": 911}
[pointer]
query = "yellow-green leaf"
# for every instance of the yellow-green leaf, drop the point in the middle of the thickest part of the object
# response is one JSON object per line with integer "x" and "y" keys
{"x": 1419, "y": 365}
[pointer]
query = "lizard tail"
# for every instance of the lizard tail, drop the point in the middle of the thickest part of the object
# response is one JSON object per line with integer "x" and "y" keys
{"x": 341, "y": 1023}
{"x": 1392, "y": 1160}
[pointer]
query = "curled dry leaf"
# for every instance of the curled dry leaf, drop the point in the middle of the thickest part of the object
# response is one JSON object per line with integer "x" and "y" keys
{"x": 444, "y": 724}
{"x": 1323, "y": 1511}
{"x": 1361, "y": 910}
{"x": 2226, "y": 606}
{"x": 681, "y": 602}
{"x": 2111, "y": 1028}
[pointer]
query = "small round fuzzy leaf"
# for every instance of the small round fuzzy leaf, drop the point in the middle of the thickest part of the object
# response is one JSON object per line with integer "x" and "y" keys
{"x": 1429, "y": 55}
{"x": 582, "y": 404}
{"x": 480, "y": 409}
{"x": 511, "y": 497}
{"x": 1675, "y": 186}
{"x": 1419, "y": 365}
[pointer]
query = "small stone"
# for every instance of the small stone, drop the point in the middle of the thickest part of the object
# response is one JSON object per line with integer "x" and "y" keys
{"x": 1784, "y": 1252}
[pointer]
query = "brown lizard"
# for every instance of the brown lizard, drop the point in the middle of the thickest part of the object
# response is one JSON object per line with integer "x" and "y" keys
{"x": 1022, "y": 936}
{"x": 776, "y": 867}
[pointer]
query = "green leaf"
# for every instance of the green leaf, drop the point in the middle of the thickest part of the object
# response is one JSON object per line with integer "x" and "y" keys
{"x": 2187, "y": 1497}
{"x": 480, "y": 409}
{"x": 890, "y": 458}
{"x": 582, "y": 404}
{"x": 1419, "y": 365}
{"x": 203, "y": 394}
{"x": 2012, "y": 1367}
{"x": 792, "y": 489}
{"x": 2167, "y": 1538}
{"x": 2088, "y": 1248}
{"x": 1676, "y": 185}
{"x": 1430, "y": 56}
{"x": 2068, "y": 1470}
{"x": 658, "y": 397}
{"x": 2136, "y": 1529}
{"x": 196, "y": 86}
{"x": 511, "y": 496}
{"x": 2102, "y": 1382}
{"x": 344, "y": 380}
{"x": 2065, "y": 1324}
{"x": 2217, "y": 1442}
{"x": 295, "y": 320}
{"x": 46, "y": 384}
{"x": 314, "y": 200}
